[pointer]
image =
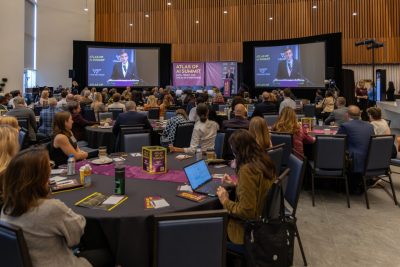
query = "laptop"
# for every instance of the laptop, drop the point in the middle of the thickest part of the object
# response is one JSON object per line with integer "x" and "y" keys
{"x": 200, "y": 178}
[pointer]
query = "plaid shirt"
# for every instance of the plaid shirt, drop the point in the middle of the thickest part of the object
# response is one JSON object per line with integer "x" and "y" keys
{"x": 168, "y": 136}
{"x": 46, "y": 120}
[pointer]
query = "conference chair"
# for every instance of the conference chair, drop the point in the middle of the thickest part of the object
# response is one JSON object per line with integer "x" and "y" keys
{"x": 276, "y": 153}
{"x": 134, "y": 142}
{"x": 219, "y": 144}
{"x": 297, "y": 166}
{"x": 195, "y": 239}
{"x": 183, "y": 134}
{"x": 169, "y": 114}
{"x": 271, "y": 118}
{"x": 329, "y": 161}
{"x": 388, "y": 122}
{"x": 378, "y": 162}
{"x": 23, "y": 122}
{"x": 128, "y": 129}
{"x": 88, "y": 114}
{"x": 14, "y": 251}
{"x": 154, "y": 113}
{"x": 309, "y": 110}
{"x": 221, "y": 108}
{"x": 278, "y": 138}
{"x": 105, "y": 115}
{"x": 115, "y": 112}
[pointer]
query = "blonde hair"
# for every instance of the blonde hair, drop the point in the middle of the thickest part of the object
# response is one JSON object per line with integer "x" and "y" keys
{"x": 45, "y": 94}
{"x": 152, "y": 101}
{"x": 258, "y": 128}
{"x": 9, "y": 145}
{"x": 287, "y": 122}
{"x": 9, "y": 120}
{"x": 98, "y": 97}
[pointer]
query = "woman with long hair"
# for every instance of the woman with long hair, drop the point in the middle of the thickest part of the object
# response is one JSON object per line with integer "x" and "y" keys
{"x": 258, "y": 128}
{"x": 287, "y": 123}
{"x": 78, "y": 127}
{"x": 151, "y": 102}
{"x": 203, "y": 135}
{"x": 64, "y": 143}
{"x": 9, "y": 146}
{"x": 98, "y": 105}
{"x": 256, "y": 174}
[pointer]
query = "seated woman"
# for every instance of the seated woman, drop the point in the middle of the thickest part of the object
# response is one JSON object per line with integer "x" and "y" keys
{"x": 287, "y": 123}
{"x": 64, "y": 142}
{"x": 50, "y": 228}
{"x": 256, "y": 174}
{"x": 98, "y": 105}
{"x": 381, "y": 127}
{"x": 9, "y": 146}
{"x": 44, "y": 98}
{"x": 116, "y": 102}
{"x": 204, "y": 133}
{"x": 327, "y": 105}
{"x": 218, "y": 98}
{"x": 258, "y": 128}
{"x": 168, "y": 100}
{"x": 168, "y": 135}
{"x": 78, "y": 127}
{"x": 13, "y": 122}
{"x": 151, "y": 102}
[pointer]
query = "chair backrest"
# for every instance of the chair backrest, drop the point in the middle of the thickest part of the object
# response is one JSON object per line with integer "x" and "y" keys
{"x": 135, "y": 141}
{"x": 379, "y": 154}
{"x": 297, "y": 168}
{"x": 330, "y": 151}
{"x": 388, "y": 122}
{"x": 105, "y": 115}
{"x": 169, "y": 114}
{"x": 23, "y": 122}
{"x": 274, "y": 199}
{"x": 115, "y": 112}
{"x": 183, "y": 134}
{"x": 309, "y": 110}
{"x": 154, "y": 113}
{"x": 276, "y": 153}
{"x": 14, "y": 251}
{"x": 227, "y": 150}
{"x": 221, "y": 108}
{"x": 23, "y": 138}
{"x": 271, "y": 118}
{"x": 283, "y": 138}
{"x": 193, "y": 239}
{"x": 219, "y": 144}
{"x": 88, "y": 113}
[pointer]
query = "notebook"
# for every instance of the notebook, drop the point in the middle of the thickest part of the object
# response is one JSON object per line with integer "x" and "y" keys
{"x": 200, "y": 178}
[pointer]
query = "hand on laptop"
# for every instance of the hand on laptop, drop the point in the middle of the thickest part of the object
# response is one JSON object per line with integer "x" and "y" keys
{"x": 227, "y": 179}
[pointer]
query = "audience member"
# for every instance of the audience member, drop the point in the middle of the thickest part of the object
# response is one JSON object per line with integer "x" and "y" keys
{"x": 116, "y": 104}
{"x": 380, "y": 125}
{"x": 3, "y": 103}
{"x": 204, "y": 133}
{"x": 327, "y": 105}
{"x": 78, "y": 127}
{"x": 47, "y": 116}
{"x": 63, "y": 142}
{"x": 85, "y": 100}
{"x": 130, "y": 118}
{"x": 258, "y": 128}
{"x": 361, "y": 95}
{"x": 256, "y": 174}
{"x": 218, "y": 98}
{"x": 166, "y": 103}
{"x": 318, "y": 97}
{"x": 22, "y": 112}
{"x": 127, "y": 93}
{"x": 98, "y": 105}
{"x": 44, "y": 98}
{"x": 168, "y": 136}
{"x": 14, "y": 94}
{"x": 193, "y": 111}
{"x": 151, "y": 102}
{"x": 12, "y": 121}
{"x": 62, "y": 104}
{"x": 287, "y": 123}
{"x": 9, "y": 147}
{"x": 239, "y": 121}
{"x": 339, "y": 115}
{"x": 287, "y": 101}
{"x": 390, "y": 92}
{"x": 267, "y": 106}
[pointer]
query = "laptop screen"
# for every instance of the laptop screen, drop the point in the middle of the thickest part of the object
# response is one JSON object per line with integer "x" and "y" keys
{"x": 197, "y": 173}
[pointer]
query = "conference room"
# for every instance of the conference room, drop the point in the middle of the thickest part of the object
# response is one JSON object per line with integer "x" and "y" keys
{"x": 199, "y": 133}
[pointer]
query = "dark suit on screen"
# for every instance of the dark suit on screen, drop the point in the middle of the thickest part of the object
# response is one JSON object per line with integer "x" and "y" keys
{"x": 358, "y": 135}
{"x": 118, "y": 74}
{"x": 283, "y": 73}
{"x": 130, "y": 118}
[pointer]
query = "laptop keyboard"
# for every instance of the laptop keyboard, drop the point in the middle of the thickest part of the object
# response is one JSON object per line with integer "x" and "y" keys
{"x": 210, "y": 187}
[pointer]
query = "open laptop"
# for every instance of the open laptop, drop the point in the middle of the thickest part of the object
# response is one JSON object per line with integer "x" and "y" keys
{"x": 200, "y": 178}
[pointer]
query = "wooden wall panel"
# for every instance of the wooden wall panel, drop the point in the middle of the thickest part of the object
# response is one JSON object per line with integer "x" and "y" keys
{"x": 219, "y": 36}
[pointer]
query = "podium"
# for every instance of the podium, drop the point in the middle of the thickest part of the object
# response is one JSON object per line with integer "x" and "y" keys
{"x": 228, "y": 87}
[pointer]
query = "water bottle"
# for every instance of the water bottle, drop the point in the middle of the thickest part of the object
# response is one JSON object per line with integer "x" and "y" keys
{"x": 199, "y": 154}
{"x": 119, "y": 178}
{"x": 71, "y": 165}
{"x": 88, "y": 175}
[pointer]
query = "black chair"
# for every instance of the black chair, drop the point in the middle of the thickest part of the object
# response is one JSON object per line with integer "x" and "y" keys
{"x": 283, "y": 138}
{"x": 309, "y": 110}
{"x": 88, "y": 113}
{"x": 115, "y": 112}
{"x": 154, "y": 113}
{"x": 23, "y": 122}
{"x": 378, "y": 162}
{"x": 14, "y": 251}
{"x": 329, "y": 161}
{"x": 169, "y": 114}
{"x": 134, "y": 142}
{"x": 297, "y": 168}
{"x": 271, "y": 118}
{"x": 219, "y": 144}
{"x": 388, "y": 122}
{"x": 183, "y": 134}
{"x": 276, "y": 154}
{"x": 195, "y": 239}
{"x": 227, "y": 153}
{"x": 128, "y": 129}
{"x": 105, "y": 115}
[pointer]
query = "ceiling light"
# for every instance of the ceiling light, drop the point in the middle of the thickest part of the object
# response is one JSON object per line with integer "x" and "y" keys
{"x": 314, "y": 6}
{"x": 147, "y": 15}
{"x": 169, "y": 3}
{"x": 271, "y": 18}
{"x": 197, "y": 22}
{"x": 86, "y": 9}
{"x": 354, "y": 13}
{"x": 131, "y": 24}
{"x": 225, "y": 12}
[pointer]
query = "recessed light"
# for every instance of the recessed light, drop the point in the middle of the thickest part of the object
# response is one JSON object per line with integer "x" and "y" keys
{"x": 169, "y": 3}
{"x": 225, "y": 12}
{"x": 271, "y": 18}
{"x": 86, "y": 9}
{"x": 147, "y": 15}
{"x": 197, "y": 22}
{"x": 131, "y": 24}
{"x": 354, "y": 13}
{"x": 314, "y": 6}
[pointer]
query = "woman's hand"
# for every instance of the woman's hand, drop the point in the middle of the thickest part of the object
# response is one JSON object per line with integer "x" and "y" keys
{"x": 223, "y": 195}
{"x": 227, "y": 179}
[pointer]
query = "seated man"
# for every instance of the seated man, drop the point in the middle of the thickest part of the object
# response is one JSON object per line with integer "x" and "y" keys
{"x": 358, "y": 135}
{"x": 239, "y": 121}
{"x": 131, "y": 118}
{"x": 266, "y": 106}
{"x": 47, "y": 117}
{"x": 21, "y": 111}
{"x": 287, "y": 100}
{"x": 338, "y": 116}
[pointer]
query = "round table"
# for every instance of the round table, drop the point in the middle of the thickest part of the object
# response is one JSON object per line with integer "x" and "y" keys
{"x": 97, "y": 137}
{"x": 128, "y": 228}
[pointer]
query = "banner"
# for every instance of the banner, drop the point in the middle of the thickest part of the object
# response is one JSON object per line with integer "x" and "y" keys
{"x": 188, "y": 74}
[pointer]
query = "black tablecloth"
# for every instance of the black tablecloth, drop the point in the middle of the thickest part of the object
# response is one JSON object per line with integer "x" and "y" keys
{"x": 128, "y": 227}
{"x": 100, "y": 137}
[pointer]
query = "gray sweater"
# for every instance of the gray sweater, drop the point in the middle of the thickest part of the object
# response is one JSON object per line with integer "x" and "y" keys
{"x": 50, "y": 230}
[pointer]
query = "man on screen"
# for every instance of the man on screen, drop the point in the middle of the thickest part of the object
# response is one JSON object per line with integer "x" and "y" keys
{"x": 123, "y": 70}
{"x": 289, "y": 68}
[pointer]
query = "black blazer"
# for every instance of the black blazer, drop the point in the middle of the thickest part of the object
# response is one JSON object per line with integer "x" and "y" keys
{"x": 283, "y": 72}
{"x": 131, "y": 118}
{"x": 117, "y": 73}
{"x": 265, "y": 107}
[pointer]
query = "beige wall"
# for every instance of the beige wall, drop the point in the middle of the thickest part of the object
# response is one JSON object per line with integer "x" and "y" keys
{"x": 12, "y": 43}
